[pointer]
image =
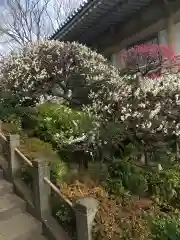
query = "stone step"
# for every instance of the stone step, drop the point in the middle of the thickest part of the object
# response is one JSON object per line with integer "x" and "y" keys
{"x": 3, "y": 163}
{"x": 11, "y": 205}
{"x": 36, "y": 237}
{"x": 5, "y": 187}
{"x": 20, "y": 227}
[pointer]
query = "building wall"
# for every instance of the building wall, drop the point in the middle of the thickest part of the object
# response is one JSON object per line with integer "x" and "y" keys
{"x": 153, "y": 20}
{"x": 177, "y": 34}
{"x": 162, "y": 37}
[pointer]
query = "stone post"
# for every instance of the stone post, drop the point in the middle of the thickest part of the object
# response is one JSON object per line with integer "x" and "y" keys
{"x": 13, "y": 163}
{"x": 41, "y": 190}
{"x": 170, "y": 26}
{"x": 85, "y": 210}
{"x": 171, "y": 33}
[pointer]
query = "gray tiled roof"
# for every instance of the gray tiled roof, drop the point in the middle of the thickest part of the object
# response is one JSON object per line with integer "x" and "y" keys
{"x": 73, "y": 16}
{"x": 95, "y": 16}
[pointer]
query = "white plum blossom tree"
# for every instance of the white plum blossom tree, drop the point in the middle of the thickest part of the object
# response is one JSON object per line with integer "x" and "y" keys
{"x": 52, "y": 68}
{"x": 124, "y": 109}
{"x": 144, "y": 111}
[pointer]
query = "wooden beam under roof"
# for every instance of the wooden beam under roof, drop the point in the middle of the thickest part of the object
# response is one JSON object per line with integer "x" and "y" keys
{"x": 140, "y": 27}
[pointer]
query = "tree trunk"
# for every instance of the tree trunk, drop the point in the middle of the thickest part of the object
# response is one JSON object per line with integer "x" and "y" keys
{"x": 144, "y": 158}
{"x": 83, "y": 162}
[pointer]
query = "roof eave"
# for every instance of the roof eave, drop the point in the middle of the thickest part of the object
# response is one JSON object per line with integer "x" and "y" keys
{"x": 79, "y": 13}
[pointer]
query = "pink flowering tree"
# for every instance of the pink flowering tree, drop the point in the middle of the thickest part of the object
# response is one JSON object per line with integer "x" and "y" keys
{"x": 150, "y": 60}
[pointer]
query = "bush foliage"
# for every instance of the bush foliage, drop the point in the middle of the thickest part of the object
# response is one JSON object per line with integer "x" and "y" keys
{"x": 100, "y": 115}
{"x": 123, "y": 174}
{"x": 59, "y": 124}
{"x": 166, "y": 227}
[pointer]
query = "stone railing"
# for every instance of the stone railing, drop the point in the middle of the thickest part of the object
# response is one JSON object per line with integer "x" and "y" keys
{"x": 38, "y": 199}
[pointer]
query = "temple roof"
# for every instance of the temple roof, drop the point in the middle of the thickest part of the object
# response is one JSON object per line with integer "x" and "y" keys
{"x": 94, "y": 17}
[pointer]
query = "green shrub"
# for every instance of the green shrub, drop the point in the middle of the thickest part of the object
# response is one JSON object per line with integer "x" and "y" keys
{"x": 59, "y": 124}
{"x": 7, "y": 112}
{"x": 9, "y": 117}
{"x": 19, "y": 118}
{"x": 59, "y": 171}
{"x": 166, "y": 227}
{"x": 123, "y": 174}
{"x": 29, "y": 118}
{"x": 165, "y": 185}
{"x": 65, "y": 215}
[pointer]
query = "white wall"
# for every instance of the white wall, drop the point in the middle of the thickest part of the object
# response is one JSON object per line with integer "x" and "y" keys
{"x": 117, "y": 59}
{"x": 113, "y": 59}
{"x": 163, "y": 37}
{"x": 177, "y": 34}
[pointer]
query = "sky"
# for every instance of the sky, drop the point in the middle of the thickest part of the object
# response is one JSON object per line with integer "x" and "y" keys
{"x": 2, "y": 2}
{"x": 67, "y": 4}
